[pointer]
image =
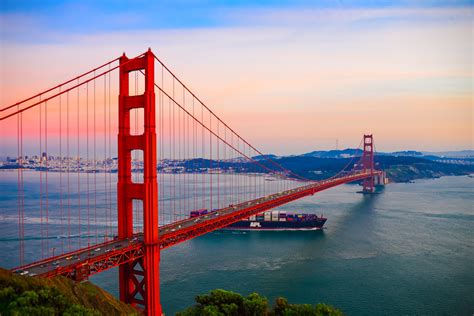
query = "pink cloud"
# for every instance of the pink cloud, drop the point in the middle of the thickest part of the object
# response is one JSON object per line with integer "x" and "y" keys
{"x": 297, "y": 76}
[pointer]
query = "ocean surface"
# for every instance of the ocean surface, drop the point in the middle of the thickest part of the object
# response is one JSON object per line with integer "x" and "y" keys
{"x": 406, "y": 251}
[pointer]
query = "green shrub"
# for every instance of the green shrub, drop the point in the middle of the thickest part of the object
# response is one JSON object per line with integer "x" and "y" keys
{"x": 227, "y": 303}
{"x": 41, "y": 301}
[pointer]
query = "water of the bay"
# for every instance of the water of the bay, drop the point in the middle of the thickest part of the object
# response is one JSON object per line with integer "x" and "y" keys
{"x": 406, "y": 251}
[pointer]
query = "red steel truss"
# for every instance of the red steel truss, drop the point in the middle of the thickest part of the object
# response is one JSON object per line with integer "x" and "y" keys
{"x": 81, "y": 270}
{"x": 133, "y": 254}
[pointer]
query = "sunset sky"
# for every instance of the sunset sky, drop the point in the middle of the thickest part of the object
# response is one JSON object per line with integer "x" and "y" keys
{"x": 289, "y": 76}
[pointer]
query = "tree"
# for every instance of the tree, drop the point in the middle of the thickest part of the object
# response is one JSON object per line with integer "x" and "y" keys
{"x": 283, "y": 308}
{"x": 227, "y": 303}
{"x": 255, "y": 305}
{"x": 43, "y": 301}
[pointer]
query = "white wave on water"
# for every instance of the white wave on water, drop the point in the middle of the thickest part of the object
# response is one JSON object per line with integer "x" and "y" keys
{"x": 349, "y": 255}
{"x": 53, "y": 221}
{"x": 72, "y": 236}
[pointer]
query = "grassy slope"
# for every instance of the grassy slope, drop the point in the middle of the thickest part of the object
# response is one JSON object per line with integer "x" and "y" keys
{"x": 86, "y": 294}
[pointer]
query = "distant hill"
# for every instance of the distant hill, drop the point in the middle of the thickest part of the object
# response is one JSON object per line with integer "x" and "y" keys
{"x": 404, "y": 167}
{"x": 351, "y": 152}
{"x": 398, "y": 168}
{"x": 411, "y": 153}
{"x": 263, "y": 157}
{"x": 452, "y": 154}
{"x": 401, "y": 166}
{"x": 344, "y": 153}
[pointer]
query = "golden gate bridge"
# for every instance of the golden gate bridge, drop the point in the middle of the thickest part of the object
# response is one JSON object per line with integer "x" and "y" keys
{"x": 125, "y": 172}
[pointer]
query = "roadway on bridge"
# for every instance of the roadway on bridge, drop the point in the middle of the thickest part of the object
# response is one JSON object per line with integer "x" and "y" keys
{"x": 90, "y": 253}
{"x": 111, "y": 248}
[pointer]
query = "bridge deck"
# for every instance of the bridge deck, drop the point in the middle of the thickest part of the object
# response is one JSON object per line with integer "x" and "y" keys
{"x": 81, "y": 263}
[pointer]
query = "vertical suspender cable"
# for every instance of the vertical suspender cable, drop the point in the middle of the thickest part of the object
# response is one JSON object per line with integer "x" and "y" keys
{"x": 161, "y": 205}
{"x": 218, "y": 167}
{"x": 194, "y": 157}
{"x": 189, "y": 163}
{"x": 232, "y": 179}
{"x": 162, "y": 152}
{"x": 203, "y": 149}
{"x": 226, "y": 175}
{"x": 110, "y": 155}
{"x": 61, "y": 175}
{"x": 68, "y": 160}
{"x": 180, "y": 158}
{"x": 46, "y": 167}
{"x": 87, "y": 165}
{"x": 41, "y": 177}
{"x": 104, "y": 163}
{"x": 174, "y": 161}
{"x": 18, "y": 181}
{"x": 95, "y": 167}
{"x": 135, "y": 156}
{"x": 79, "y": 223}
{"x": 22, "y": 209}
{"x": 170, "y": 120}
{"x": 180, "y": 193}
{"x": 185, "y": 156}
{"x": 210, "y": 157}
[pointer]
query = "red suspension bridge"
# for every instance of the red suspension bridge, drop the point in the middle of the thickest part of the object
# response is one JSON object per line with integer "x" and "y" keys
{"x": 131, "y": 197}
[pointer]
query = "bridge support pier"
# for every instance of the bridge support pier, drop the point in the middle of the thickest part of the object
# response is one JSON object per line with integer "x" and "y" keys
{"x": 140, "y": 279}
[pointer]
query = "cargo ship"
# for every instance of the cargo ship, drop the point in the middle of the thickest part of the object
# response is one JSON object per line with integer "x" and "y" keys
{"x": 275, "y": 220}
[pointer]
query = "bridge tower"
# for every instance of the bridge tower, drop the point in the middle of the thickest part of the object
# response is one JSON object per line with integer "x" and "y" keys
{"x": 139, "y": 280}
{"x": 368, "y": 163}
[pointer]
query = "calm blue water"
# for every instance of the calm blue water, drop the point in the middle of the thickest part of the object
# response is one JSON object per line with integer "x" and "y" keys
{"x": 405, "y": 251}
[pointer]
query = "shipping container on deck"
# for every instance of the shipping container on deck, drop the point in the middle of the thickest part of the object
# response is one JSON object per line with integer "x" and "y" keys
{"x": 267, "y": 216}
{"x": 272, "y": 220}
{"x": 275, "y": 216}
{"x": 282, "y": 216}
{"x": 280, "y": 220}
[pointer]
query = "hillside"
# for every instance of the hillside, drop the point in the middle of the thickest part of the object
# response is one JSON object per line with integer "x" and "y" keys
{"x": 399, "y": 169}
{"x": 23, "y": 295}
{"x": 404, "y": 169}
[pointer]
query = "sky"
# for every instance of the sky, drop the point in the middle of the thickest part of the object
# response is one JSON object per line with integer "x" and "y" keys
{"x": 289, "y": 76}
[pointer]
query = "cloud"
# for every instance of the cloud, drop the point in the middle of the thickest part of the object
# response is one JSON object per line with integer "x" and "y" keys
{"x": 296, "y": 76}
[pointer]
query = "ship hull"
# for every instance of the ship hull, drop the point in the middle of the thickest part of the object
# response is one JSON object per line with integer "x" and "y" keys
{"x": 277, "y": 225}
